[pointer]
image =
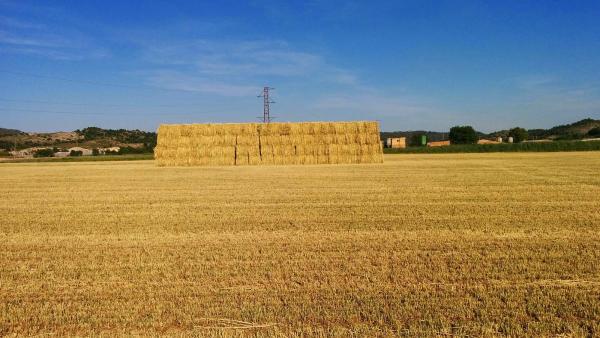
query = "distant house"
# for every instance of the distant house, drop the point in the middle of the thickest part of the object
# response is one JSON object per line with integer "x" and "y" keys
{"x": 28, "y": 152}
{"x": 61, "y": 154}
{"x": 84, "y": 151}
{"x": 547, "y": 140}
{"x": 109, "y": 150}
{"x": 484, "y": 141}
{"x": 396, "y": 142}
{"x": 438, "y": 143}
{"x": 20, "y": 153}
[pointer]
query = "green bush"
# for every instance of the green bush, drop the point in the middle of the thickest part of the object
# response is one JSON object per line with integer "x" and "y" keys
{"x": 4, "y": 144}
{"x": 594, "y": 132}
{"x": 74, "y": 153}
{"x": 463, "y": 135}
{"x": 47, "y": 152}
{"x": 132, "y": 150}
{"x": 570, "y": 136}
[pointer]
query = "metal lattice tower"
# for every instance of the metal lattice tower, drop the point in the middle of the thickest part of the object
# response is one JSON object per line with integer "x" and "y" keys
{"x": 266, "y": 104}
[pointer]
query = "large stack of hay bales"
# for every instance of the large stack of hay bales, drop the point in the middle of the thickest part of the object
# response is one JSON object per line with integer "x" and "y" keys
{"x": 268, "y": 143}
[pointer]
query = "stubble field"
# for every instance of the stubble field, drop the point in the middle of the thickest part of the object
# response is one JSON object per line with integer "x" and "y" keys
{"x": 471, "y": 244}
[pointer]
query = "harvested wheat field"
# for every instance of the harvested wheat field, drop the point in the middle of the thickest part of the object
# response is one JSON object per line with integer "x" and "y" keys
{"x": 421, "y": 245}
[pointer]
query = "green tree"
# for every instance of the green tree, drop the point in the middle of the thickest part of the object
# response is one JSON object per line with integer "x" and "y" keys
{"x": 46, "y": 152}
{"x": 463, "y": 135}
{"x": 131, "y": 150}
{"x": 95, "y": 152}
{"x": 572, "y": 135}
{"x": 76, "y": 153}
{"x": 594, "y": 132}
{"x": 518, "y": 134}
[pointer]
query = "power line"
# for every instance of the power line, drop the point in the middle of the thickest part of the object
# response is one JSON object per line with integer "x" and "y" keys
{"x": 48, "y": 111}
{"x": 266, "y": 109}
{"x": 99, "y": 114}
{"x": 88, "y": 104}
{"x": 96, "y": 83}
{"x": 67, "y": 79}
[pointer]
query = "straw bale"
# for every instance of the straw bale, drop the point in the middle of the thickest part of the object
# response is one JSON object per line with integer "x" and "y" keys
{"x": 246, "y": 140}
{"x": 274, "y": 143}
{"x": 269, "y": 139}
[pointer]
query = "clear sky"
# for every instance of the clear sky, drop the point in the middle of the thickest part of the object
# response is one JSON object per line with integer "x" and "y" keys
{"x": 409, "y": 64}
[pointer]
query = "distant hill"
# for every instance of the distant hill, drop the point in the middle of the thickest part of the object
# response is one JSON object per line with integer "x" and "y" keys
{"x": 117, "y": 136}
{"x": 91, "y": 137}
{"x": 9, "y": 132}
{"x": 577, "y": 130}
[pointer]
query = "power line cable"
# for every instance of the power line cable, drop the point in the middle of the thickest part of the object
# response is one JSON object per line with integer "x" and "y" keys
{"x": 100, "y": 114}
{"x": 90, "y": 104}
{"x": 97, "y": 83}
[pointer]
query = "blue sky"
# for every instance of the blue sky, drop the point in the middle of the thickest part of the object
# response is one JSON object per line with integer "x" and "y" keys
{"x": 409, "y": 64}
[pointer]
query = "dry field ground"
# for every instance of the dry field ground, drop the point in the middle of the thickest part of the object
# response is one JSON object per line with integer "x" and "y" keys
{"x": 474, "y": 244}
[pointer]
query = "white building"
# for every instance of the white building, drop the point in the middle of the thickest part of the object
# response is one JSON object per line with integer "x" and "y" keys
{"x": 29, "y": 152}
{"x": 110, "y": 149}
{"x": 84, "y": 151}
{"x": 61, "y": 154}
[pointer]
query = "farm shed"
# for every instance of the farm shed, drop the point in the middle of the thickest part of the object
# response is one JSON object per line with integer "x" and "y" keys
{"x": 109, "y": 150}
{"x": 28, "y": 152}
{"x": 396, "y": 142}
{"x": 84, "y": 151}
{"x": 61, "y": 154}
{"x": 438, "y": 143}
{"x": 485, "y": 141}
{"x": 272, "y": 143}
